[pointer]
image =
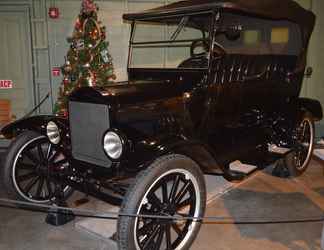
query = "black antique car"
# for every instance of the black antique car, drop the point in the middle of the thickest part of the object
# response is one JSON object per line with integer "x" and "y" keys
{"x": 213, "y": 88}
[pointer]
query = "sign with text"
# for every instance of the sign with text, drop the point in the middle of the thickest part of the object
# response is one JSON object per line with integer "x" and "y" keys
{"x": 6, "y": 84}
{"x": 56, "y": 71}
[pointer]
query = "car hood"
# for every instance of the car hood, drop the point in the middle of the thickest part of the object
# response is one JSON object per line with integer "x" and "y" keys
{"x": 137, "y": 108}
{"x": 130, "y": 92}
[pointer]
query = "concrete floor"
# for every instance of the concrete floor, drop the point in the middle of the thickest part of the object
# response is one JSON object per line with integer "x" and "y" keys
{"x": 261, "y": 196}
{"x": 264, "y": 196}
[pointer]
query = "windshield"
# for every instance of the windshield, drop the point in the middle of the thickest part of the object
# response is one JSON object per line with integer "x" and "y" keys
{"x": 171, "y": 43}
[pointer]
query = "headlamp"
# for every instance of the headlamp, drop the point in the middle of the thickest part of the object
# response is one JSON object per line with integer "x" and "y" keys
{"x": 113, "y": 145}
{"x": 53, "y": 132}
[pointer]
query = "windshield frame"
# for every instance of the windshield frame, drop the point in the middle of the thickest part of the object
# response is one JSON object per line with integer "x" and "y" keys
{"x": 171, "y": 41}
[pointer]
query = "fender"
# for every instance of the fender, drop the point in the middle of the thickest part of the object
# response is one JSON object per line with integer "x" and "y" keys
{"x": 34, "y": 123}
{"x": 146, "y": 151}
{"x": 312, "y": 106}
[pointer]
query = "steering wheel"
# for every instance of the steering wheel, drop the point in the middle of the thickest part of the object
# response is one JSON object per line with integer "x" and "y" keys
{"x": 219, "y": 51}
{"x": 196, "y": 44}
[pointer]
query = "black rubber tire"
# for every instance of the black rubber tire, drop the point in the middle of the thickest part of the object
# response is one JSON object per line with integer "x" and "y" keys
{"x": 6, "y": 177}
{"x": 289, "y": 159}
{"x": 142, "y": 183}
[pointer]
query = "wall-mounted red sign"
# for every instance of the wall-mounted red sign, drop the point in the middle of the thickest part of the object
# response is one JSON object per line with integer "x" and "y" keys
{"x": 56, "y": 71}
{"x": 53, "y": 12}
{"x": 6, "y": 84}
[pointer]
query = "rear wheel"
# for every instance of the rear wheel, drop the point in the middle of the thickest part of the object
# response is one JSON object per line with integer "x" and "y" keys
{"x": 298, "y": 160}
{"x": 172, "y": 186}
{"x": 26, "y": 173}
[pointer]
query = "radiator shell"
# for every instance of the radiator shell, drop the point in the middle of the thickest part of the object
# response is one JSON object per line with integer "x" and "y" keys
{"x": 88, "y": 124}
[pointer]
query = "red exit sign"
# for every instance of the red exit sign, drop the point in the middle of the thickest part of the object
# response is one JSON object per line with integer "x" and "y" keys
{"x": 6, "y": 84}
{"x": 56, "y": 71}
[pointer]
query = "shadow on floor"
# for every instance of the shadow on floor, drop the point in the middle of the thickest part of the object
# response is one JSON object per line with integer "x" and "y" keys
{"x": 264, "y": 198}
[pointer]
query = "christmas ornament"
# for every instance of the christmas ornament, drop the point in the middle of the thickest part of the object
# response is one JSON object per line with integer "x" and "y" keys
{"x": 67, "y": 67}
{"x": 79, "y": 44}
{"x": 104, "y": 55}
{"x": 66, "y": 81}
{"x": 90, "y": 79}
{"x": 65, "y": 113}
{"x": 86, "y": 66}
{"x": 73, "y": 78}
{"x": 78, "y": 24}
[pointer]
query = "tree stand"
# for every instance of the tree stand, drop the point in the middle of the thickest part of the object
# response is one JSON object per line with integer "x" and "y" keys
{"x": 59, "y": 217}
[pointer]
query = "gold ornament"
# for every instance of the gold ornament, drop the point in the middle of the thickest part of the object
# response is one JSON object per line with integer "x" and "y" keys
{"x": 67, "y": 68}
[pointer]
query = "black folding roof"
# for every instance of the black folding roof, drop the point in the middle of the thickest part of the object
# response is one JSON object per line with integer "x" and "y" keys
{"x": 273, "y": 9}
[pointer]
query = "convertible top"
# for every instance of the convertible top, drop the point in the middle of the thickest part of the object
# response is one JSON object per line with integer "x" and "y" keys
{"x": 272, "y": 9}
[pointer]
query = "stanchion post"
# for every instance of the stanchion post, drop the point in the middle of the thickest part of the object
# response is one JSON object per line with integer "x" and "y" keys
{"x": 59, "y": 217}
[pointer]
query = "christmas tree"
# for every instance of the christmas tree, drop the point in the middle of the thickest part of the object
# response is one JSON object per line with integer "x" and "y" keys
{"x": 88, "y": 62}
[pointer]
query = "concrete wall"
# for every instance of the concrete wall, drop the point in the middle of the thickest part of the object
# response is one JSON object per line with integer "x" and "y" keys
{"x": 41, "y": 62}
{"x": 314, "y": 86}
{"x": 49, "y": 37}
{"x": 50, "y": 46}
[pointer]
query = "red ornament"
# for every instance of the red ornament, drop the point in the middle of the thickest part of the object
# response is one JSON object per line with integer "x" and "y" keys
{"x": 65, "y": 113}
{"x": 66, "y": 81}
{"x": 78, "y": 24}
{"x": 54, "y": 12}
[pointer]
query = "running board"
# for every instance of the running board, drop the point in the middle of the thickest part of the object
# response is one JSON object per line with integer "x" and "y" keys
{"x": 237, "y": 166}
{"x": 278, "y": 150}
{"x": 319, "y": 153}
{"x": 238, "y": 171}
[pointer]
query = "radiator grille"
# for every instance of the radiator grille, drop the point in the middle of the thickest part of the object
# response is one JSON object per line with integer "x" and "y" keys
{"x": 88, "y": 123}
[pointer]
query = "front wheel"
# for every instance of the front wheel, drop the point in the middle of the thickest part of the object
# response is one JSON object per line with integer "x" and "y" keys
{"x": 26, "y": 173}
{"x": 298, "y": 160}
{"x": 172, "y": 186}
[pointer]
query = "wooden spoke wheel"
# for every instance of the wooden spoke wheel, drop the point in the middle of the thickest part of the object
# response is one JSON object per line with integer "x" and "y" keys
{"x": 298, "y": 160}
{"x": 30, "y": 163}
{"x": 172, "y": 186}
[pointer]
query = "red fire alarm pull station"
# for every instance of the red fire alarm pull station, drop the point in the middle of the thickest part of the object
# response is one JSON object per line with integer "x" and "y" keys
{"x": 53, "y": 12}
{"x": 6, "y": 84}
